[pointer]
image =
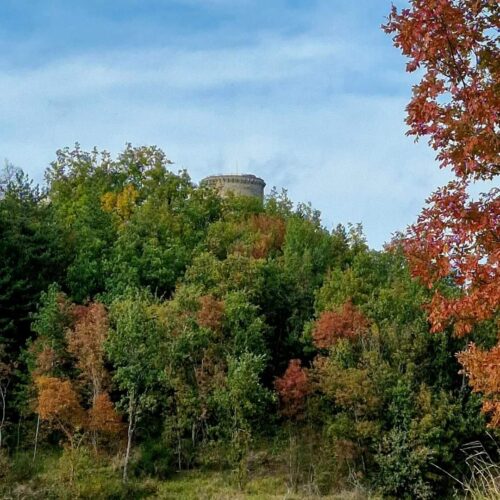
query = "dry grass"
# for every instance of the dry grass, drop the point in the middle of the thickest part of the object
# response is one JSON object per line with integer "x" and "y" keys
{"x": 483, "y": 482}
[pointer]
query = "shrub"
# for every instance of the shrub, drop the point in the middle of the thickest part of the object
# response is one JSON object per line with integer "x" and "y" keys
{"x": 156, "y": 459}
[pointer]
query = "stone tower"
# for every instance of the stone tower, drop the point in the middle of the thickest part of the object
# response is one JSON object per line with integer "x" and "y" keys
{"x": 241, "y": 185}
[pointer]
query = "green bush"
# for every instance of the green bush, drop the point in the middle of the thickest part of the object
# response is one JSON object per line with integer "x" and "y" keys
{"x": 402, "y": 467}
{"x": 156, "y": 459}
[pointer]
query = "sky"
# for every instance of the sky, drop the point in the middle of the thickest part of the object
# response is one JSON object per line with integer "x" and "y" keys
{"x": 310, "y": 95}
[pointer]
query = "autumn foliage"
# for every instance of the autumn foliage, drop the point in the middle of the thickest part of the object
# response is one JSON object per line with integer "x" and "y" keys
{"x": 269, "y": 234}
{"x": 211, "y": 312}
{"x": 482, "y": 368}
{"x": 456, "y": 105}
{"x": 293, "y": 388}
{"x": 102, "y": 416}
{"x": 46, "y": 360}
{"x": 86, "y": 344}
{"x": 121, "y": 204}
{"x": 207, "y": 301}
{"x": 58, "y": 403}
{"x": 459, "y": 240}
{"x": 454, "y": 43}
{"x": 63, "y": 401}
{"x": 345, "y": 323}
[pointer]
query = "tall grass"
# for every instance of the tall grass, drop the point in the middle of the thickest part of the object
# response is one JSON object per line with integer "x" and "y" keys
{"x": 483, "y": 481}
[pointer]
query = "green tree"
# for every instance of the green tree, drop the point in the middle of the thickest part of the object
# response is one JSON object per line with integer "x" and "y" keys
{"x": 243, "y": 402}
{"x": 31, "y": 256}
{"x": 133, "y": 349}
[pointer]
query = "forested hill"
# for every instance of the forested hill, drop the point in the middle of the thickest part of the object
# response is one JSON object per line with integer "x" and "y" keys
{"x": 148, "y": 326}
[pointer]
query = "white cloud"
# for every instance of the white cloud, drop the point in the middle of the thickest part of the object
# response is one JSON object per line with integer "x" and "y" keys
{"x": 268, "y": 61}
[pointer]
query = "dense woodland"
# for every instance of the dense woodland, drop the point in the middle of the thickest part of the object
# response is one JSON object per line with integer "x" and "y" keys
{"x": 152, "y": 332}
{"x": 149, "y": 326}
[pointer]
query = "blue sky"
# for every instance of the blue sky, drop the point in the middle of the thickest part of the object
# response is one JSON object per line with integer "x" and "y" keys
{"x": 308, "y": 94}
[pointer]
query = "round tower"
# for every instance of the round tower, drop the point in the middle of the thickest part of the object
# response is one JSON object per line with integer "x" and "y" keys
{"x": 241, "y": 185}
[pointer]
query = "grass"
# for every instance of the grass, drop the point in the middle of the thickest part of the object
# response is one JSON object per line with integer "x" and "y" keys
{"x": 81, "y": 474}
{"x": 201, "y": 485}
{"x": 48, "y": 478}
{"x": 484, "y": 482}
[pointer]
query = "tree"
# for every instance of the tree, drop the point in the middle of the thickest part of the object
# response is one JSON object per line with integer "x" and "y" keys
{"x": 160, "y": 217}
{"x": 211, "y": 313}
{"x": 58, "y": 403}
{"x": 293, "y": 388}
{"x": 50, "y": 322}
{"x": 86, "y": 343}
{"x": 67, "y": 368}
{"x": 456, "y": 104}
{"x": 482, "y": 367}
{"x": 6, "y": 369}
{"x": 242, "y": 402}
{"x": 76, "y": 180}
{"x": 102, "y": 416}
{"x": 346, "y": 323}
{"x": 133, "y": 348}
{"x": 31, "y": 255}
{"x": 122, "y": 218}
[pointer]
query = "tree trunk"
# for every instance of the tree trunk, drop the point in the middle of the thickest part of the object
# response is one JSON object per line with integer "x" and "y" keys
{"x": 18, "y": 433}
{"x": 130, "y": 432}
{"x": 36, "y": 436}
{"x": 3, "y": 395}
{"x": 96, "y": 392}
{"x": 179, "y": 456}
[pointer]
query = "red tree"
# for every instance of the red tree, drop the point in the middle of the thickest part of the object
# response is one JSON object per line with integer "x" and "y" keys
{"x": 293, "y": 389}
{"x": 346, "y": 323}
{"x": 456, "y": 105}
{"x": 482, "y": 367}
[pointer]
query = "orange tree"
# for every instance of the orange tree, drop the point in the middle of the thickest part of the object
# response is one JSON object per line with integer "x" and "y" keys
{"x": 454, "y": 45}
{"x": 70, "y": 341}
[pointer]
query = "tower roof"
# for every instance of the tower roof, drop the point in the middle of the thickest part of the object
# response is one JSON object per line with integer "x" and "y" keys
{"x": 239, "y": 184}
